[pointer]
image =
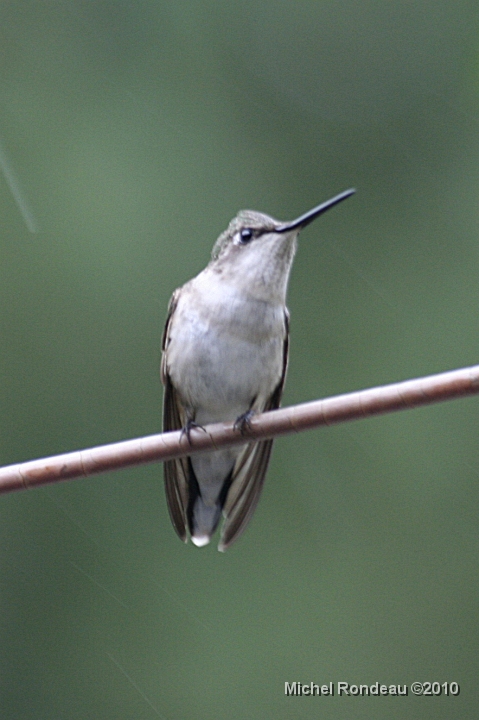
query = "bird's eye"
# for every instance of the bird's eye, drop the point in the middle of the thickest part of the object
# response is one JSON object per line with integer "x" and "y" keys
{"x": 246, "y": 235}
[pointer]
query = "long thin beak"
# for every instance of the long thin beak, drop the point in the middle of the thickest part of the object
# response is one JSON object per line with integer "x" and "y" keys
{"x": 311, "y": 215}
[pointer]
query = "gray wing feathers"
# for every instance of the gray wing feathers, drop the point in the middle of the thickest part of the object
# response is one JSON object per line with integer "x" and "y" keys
{"x": 175, "y": 471}
{"x": 245, "y": 492}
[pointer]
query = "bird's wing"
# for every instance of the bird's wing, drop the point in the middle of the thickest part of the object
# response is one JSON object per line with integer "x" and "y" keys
{"x": 250, "y": 469}
{"x": 175, "y": 471}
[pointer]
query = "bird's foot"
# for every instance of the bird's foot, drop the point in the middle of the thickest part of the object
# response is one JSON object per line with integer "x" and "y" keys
{"x": 242, "y": 423}
{"x": 190, "y": 425}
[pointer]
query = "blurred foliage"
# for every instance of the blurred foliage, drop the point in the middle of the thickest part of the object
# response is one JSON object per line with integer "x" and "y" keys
{"x": 130, "y": 134}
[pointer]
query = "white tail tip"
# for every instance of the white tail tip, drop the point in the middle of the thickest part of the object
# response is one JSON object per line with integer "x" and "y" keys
{"x": 200, "y": 540}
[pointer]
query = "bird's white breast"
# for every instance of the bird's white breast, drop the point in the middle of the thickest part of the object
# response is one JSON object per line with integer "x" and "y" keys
{"x": 225, "y": 348}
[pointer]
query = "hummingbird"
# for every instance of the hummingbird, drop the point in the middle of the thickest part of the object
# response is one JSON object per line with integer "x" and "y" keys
{"x": 224, "y": 359}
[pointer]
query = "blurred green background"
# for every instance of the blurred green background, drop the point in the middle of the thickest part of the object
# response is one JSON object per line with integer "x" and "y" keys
{"x": 130, "y": 134}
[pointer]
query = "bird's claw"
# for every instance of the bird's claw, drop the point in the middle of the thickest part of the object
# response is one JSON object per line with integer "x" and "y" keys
{"x": 186, "y": 430}
{"x": 242, "y": 423}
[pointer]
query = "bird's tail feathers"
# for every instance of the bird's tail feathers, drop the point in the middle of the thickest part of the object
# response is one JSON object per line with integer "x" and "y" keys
{"x": 204, "y": 521}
